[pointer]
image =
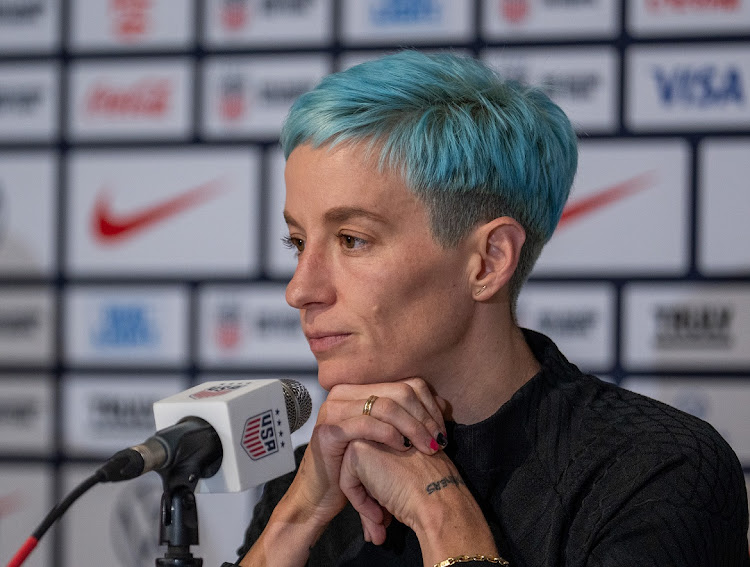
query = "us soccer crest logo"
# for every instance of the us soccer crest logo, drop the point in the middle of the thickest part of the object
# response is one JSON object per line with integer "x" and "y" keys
{"x": 261, "y": 436}
{"x": 218, "y": 390}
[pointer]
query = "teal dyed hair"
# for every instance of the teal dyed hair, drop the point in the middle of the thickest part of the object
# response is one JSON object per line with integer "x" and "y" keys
{"x": 471, "y": 145}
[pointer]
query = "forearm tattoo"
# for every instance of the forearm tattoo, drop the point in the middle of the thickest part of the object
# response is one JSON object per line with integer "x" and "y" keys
{"x": 443, "y": 483}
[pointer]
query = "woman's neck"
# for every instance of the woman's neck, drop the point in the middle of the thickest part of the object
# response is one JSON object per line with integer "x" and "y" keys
{"x": 485, "y": 373}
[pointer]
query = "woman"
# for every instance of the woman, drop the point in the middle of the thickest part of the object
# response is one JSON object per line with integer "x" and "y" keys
{"x": 420, "y": 191}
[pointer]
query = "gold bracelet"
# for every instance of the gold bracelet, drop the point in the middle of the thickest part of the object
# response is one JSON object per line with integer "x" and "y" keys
{"x": 465, "y": 558}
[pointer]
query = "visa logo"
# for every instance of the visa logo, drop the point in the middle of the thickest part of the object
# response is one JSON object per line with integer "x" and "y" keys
{"x": 388, "y": 12}
{"x": 699, "y": 86}
{"x": 125, "y": 326}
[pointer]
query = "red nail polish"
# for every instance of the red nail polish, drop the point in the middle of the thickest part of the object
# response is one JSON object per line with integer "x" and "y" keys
{"x": 434, "y": 445}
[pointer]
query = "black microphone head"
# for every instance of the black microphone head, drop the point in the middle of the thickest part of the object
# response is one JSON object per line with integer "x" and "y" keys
{"x": 298, "y": 403}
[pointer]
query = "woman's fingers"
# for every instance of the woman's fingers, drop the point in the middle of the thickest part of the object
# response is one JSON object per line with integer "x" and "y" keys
{"x": 375, "y": 532}
{"x": 373, "y": 516}
{"x": 407, "y": 405}
{"x": 429, "y": 401}
{"x": 360, "y": 427}
{"x": 410, "y": 429}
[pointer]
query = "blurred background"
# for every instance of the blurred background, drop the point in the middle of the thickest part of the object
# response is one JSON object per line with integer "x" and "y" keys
{"x": 141, "y": 193}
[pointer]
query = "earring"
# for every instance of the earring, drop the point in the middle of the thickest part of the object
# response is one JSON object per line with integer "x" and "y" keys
{"x": 481, "y": 290}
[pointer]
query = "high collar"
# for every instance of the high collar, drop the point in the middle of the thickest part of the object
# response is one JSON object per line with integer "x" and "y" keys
{"x": 507, "y": 432}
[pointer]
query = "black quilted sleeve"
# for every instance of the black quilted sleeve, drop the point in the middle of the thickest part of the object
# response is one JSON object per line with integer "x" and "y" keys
{"x": 682, "y": 499}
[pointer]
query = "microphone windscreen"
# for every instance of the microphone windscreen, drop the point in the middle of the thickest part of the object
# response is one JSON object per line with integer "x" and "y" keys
{"x": 298, "y": 403}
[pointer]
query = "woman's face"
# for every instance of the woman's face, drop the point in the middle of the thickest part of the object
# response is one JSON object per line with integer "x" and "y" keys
{"x": 379, "y": 298}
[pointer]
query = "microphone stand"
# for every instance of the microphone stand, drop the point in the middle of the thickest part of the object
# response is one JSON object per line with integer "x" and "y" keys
{"x": 198, "y": 455}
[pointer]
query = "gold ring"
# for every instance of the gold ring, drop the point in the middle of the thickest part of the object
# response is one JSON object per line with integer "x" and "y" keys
{"x": 368, "y": 405}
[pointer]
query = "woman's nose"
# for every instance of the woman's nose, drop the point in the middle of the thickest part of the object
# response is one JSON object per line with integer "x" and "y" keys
{"x": 311, "y": 282}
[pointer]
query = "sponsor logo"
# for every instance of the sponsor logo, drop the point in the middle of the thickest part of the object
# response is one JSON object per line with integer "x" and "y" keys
{"x": 567, "y": 3}
{"x": 694, "y": 326}
{"x": 283, "y": 91}
{"x": 19, "y": 99}
{"x": 149, "y": 98}
{"x": 576, "y": 86}
{"x": 235, "y": 14}
{"x": 232, "y": 99}
{"x": 19, "y": 11}
{"x": 109, "y": 228}
{"x": 134, "y": 521}
{"x": 18, "y": 412}
{"x": 389, "y": 12}
{"x": 587, "y": 205}
{"x": 261, "y": 437}
{"x": 19, "y": 323}
{"x": 277, "y": 323}
{"x": 228, "y": 326}
{"x": 705, "y": 86}
{"x": 130, "y": 18}
{"x": 514, "y": 11}
{"x": 276, "y": 7}
{"x": 217, "y": 390}
{"x": 573, "y": 323}
{"x": 692, "y": 5}
{"x": 125, "y": 326}
{"x": 109, "y": 412}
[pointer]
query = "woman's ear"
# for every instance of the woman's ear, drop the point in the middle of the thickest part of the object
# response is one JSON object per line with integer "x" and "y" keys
{"x": 498, "y": 248}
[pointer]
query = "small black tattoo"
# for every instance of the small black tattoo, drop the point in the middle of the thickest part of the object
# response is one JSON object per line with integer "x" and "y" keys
{"x": 444, "y": 482}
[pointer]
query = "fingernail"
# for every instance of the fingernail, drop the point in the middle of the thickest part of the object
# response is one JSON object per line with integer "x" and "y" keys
{"x": 433, "y": 445}
{"x": 442, "y": 441}
{"x": 407, "y": 443}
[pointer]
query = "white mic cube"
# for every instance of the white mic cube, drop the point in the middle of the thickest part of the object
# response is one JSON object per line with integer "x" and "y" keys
{"x": 250, "y": 417}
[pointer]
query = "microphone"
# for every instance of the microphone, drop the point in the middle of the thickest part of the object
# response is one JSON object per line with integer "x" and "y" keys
{"x": 240, "y": 430}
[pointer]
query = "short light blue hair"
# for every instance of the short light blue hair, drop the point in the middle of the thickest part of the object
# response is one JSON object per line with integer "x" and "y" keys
{"x": 472, "y": 145}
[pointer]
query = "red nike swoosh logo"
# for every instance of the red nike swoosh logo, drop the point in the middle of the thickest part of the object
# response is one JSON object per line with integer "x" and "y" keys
{"x": 587, "y": 205}
{"x": 109, "y": 227}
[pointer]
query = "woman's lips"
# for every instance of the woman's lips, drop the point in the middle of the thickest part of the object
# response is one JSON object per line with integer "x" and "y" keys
{"x": 320, "y": 343}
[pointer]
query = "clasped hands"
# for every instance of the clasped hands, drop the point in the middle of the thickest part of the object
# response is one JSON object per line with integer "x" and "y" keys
{"x": 367, "y": 460}
{"x": 384, "y": 462}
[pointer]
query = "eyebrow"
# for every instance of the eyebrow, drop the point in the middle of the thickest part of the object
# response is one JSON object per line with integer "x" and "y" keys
{"x": 342, "y": 214}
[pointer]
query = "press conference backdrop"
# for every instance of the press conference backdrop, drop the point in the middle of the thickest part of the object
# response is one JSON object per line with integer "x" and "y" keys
{"x": 113, "y": 108}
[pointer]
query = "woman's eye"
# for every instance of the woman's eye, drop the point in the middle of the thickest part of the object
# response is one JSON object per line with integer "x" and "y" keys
{"x": 351, "y": 242}
{"x": 293, "y": 243}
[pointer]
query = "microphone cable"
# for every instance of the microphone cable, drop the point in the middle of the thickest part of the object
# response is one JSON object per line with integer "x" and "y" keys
{"x": 123, "y": 465}
{"x": 29, "y": 545}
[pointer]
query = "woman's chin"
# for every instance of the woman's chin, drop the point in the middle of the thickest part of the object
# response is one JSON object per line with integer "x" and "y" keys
{"x": 332, "y": 373}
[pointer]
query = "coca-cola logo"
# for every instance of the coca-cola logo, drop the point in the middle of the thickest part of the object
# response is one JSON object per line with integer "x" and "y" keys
{"x": 130, "y": 18}
{"x": 148, "y": 98}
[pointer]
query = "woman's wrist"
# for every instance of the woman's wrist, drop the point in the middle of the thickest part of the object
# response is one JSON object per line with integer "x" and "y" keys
{"x": 291, "y": 531}
{"x": 453, "y": 525}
